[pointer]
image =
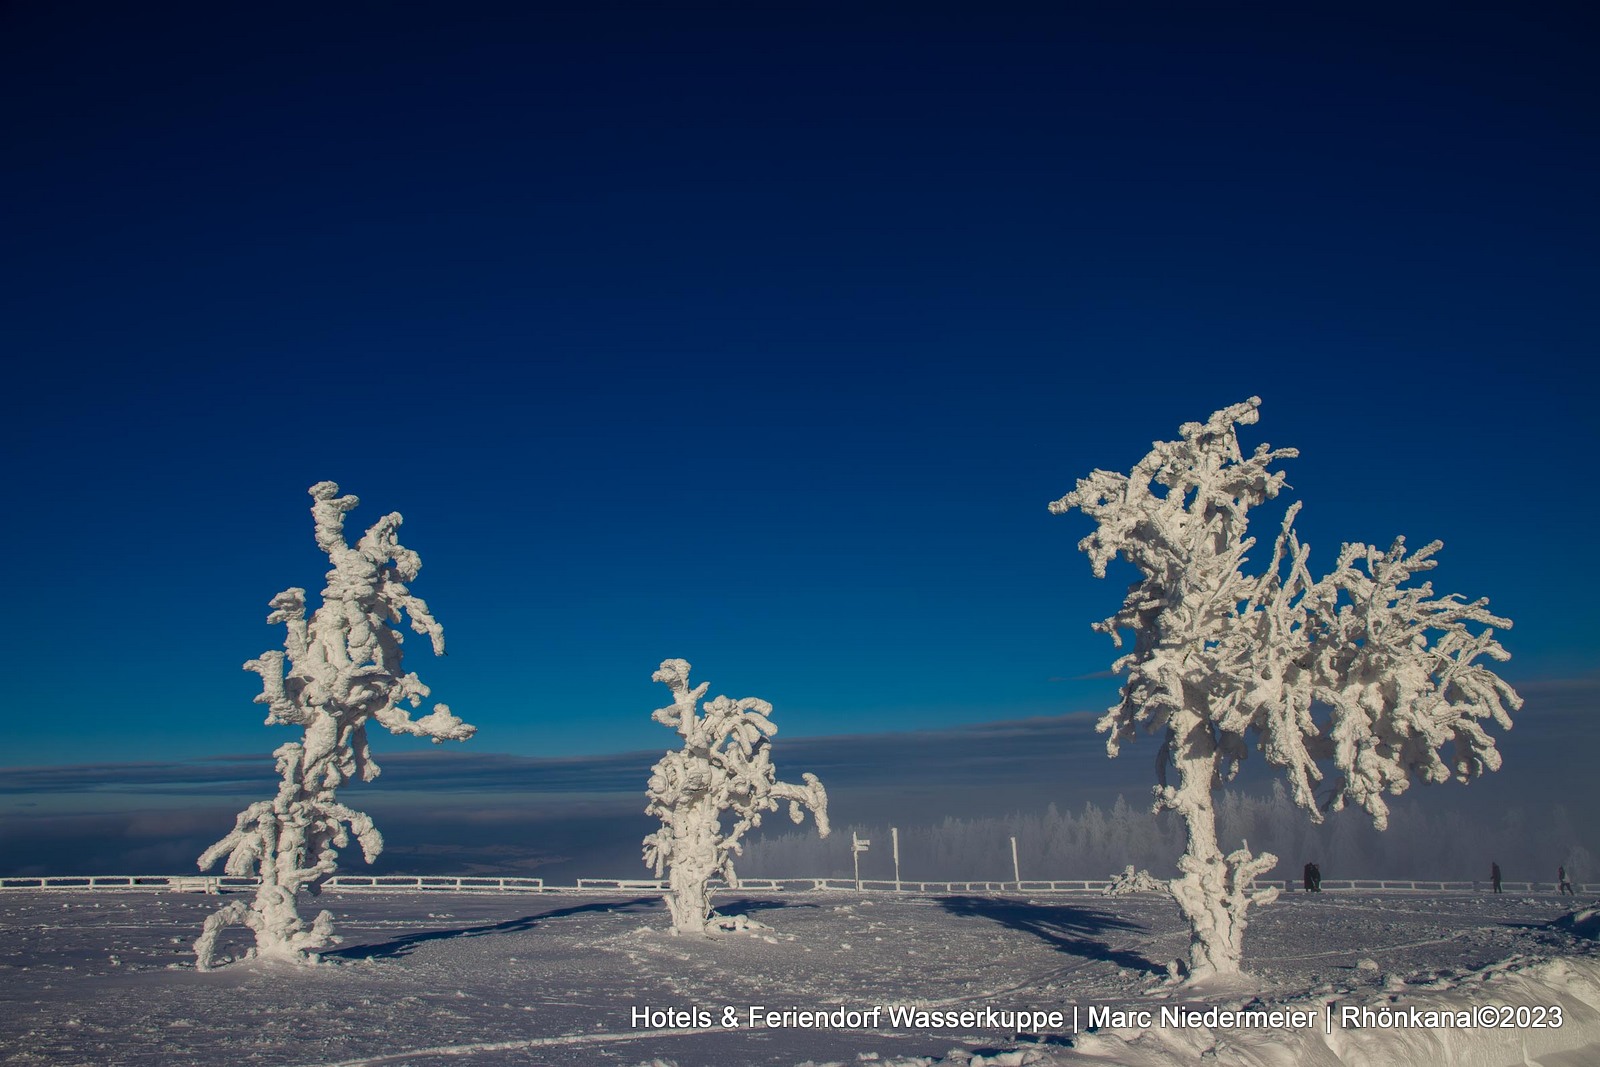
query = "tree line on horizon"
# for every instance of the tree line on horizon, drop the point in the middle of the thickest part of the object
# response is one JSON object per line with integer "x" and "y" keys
{"x": 1097, "y": 842}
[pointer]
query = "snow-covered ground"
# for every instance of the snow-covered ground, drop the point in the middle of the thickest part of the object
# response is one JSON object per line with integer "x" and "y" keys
{"x": 457, "y": 978}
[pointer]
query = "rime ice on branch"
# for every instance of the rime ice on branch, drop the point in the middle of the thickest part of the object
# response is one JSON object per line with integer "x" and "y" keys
{"x": 725, "y": 765}
{"x": 1223, "y": 662}
{"x": 338, "y": 670}
{"x": 1131, "y": 881}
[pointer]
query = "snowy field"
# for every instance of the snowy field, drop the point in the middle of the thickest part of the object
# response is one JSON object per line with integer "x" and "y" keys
{"x": 460, "y": 978}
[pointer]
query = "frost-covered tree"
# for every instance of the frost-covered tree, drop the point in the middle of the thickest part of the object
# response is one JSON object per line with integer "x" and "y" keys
{"x": 339, "y": 670}
{"x": 1356, "y": 671}
{"x": 708, "y": 793}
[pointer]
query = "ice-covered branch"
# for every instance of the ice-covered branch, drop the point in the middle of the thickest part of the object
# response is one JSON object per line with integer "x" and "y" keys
{"x": 1399, "y": 671}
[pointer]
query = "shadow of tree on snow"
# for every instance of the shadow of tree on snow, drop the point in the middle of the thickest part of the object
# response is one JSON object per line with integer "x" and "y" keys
{"x": 404, "y": 945}
{"x": 1069, "y": 927}
{"x": 745, "y": 905}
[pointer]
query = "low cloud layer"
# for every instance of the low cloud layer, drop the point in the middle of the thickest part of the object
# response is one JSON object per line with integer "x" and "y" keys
{"x": 460, "y": 811}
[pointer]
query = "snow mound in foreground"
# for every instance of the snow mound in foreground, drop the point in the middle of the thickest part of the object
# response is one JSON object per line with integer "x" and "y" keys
{"x": 1570, "y": 984}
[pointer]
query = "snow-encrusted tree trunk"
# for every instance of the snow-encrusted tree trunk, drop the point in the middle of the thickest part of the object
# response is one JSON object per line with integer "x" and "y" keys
{"x": 1223, "y": 662}
{"x": 338, "y": 670}
{"x": 724, "y": 767}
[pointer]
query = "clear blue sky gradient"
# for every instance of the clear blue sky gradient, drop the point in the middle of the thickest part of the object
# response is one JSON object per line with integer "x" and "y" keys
{"x": 760, "y": 339}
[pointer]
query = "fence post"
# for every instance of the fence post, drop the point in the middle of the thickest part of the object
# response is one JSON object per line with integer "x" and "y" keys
{"x": 858, "y": 845}
{"x": 894, "y": 836}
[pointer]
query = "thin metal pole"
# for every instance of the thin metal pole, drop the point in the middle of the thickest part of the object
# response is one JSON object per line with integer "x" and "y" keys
{"x": 894, "y": 835}
{"x": 1016, "y": 871}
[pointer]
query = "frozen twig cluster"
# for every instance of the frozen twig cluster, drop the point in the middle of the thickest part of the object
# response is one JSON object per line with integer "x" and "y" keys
{"x": 708, "y": 793}
{"x": 1131, "y": 881}
{"x": 339, "y": 669}
{"x": 1224, "y": 662}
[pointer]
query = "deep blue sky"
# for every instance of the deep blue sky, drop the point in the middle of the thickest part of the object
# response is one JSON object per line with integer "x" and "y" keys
{"x": 760, "y": 339}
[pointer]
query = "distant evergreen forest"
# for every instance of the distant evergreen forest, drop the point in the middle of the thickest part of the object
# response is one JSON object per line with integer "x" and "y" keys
{"x": 1099, "y": 842}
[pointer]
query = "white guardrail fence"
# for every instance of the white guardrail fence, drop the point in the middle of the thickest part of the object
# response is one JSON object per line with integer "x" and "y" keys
{"x": 366, "y": 883}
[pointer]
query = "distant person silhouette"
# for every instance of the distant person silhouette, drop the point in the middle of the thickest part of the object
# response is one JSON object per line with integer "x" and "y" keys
{"x": 1316, "y": 878}
{"x": 1562, "y": 885}
{"x": 1310, "y": 868}
{"x": 1494, "y": 875}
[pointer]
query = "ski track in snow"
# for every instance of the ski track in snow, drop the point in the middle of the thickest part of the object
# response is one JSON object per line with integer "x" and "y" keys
{"x": 434, "y": 978}
{"x": 1377, "y": 951}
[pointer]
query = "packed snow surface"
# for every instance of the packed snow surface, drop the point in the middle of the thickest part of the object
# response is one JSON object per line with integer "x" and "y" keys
{"x": 567, "y": 979}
